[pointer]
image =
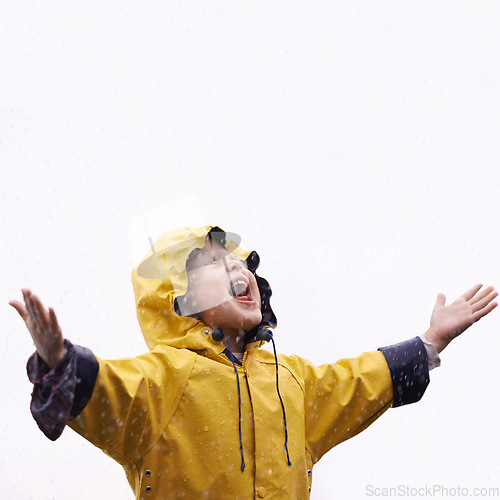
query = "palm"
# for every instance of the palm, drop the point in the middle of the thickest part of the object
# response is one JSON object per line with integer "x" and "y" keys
{"x": 448, "y": 322}
{"x": 43, "y": 327}
{"x": 454, "y": 319}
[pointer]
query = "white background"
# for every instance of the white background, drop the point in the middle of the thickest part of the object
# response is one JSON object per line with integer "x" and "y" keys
{"x": 355, "y": 145}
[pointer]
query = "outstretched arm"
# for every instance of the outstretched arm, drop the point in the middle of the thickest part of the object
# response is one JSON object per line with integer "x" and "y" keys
{"x": 43, "y": 327}
{"x": 448, "y": 322}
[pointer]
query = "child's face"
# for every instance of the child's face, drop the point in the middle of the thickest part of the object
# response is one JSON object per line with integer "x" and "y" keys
{"x": 224, "y": 290}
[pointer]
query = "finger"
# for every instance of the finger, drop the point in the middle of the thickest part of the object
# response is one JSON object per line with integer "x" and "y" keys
{"x": 483, "y": 312}
{"x": 38, "y": 327}
{"x": 53, "y": 321}
{"x": 484, "y": 302}
{"x": 469, "y": 294}
{"x": 440, "y": 300}
{"x": 29, "y": 307}
{"x": 481, "y": 295}
{"x": 19, "y": 307}
{"x": 40, "y": 311}
{"x": 33, "y": 315}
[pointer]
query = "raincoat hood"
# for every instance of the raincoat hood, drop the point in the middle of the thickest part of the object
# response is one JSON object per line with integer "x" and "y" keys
{"x": 160, "y": 281}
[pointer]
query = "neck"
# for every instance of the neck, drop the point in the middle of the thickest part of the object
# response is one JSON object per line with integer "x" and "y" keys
{"x": 236, "y": 339}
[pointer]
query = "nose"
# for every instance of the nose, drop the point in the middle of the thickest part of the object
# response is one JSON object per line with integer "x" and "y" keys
{"x": 236, "y": 265}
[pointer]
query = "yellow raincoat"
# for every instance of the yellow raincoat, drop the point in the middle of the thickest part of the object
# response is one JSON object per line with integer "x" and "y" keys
{"x": 170, "y": 417}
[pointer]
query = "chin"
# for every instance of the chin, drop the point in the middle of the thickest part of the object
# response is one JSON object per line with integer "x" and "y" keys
{"x": 249, "y": 324}
{"x": 225, "y": 318}
{"x": 245, "y": 324}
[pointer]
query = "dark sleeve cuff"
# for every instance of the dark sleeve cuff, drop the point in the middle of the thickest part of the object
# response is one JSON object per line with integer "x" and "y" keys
{"x": 409, "y": 367}
{"x": 61, "y": 394}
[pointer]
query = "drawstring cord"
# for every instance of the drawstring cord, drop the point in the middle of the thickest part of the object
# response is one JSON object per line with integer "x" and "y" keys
{"x": 281, "y": 401}
{"x": 239, "y": 393}
{"x": 266, "y": 335}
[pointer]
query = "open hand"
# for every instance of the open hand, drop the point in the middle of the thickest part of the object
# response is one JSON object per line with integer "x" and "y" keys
{"x": 448, "y": 322}
{"x": 43, "y": 327}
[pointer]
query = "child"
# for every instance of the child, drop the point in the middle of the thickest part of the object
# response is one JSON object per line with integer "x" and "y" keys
{"x": 207, "y": 413}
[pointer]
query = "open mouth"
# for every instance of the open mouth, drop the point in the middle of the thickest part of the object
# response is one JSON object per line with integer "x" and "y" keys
{"x": 240, "y": 289}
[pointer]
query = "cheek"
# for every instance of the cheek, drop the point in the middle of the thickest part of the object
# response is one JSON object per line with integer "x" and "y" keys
{"x": 209, "y": 291}
{"x": 217, "y": 314}
{"x": 256, "y": 292}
